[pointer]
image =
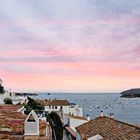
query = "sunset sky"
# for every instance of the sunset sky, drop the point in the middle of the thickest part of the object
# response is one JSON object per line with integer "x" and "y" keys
{"x": 70, "y": 45}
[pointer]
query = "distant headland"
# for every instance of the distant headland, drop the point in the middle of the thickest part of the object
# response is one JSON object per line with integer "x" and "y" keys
{"x": 131, "y": 93}
{"x": 26, "y": 94}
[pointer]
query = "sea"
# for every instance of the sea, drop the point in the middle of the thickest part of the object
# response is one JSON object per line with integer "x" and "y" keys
{"x": 124, "y": 109}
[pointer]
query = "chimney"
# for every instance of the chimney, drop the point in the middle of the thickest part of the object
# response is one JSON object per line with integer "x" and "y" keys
{"x": 112, "y": 115}
{"x": 101, "y": 114}
{"x": 88, "y": 118}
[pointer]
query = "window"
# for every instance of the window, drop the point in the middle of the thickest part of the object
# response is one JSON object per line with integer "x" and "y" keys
{"x": 55, "y": 107}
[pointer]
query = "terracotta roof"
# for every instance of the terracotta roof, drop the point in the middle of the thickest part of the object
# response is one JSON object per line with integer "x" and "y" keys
{"x": 10, "y": 107}
{"x": 11, "y": 121}
{"x": 14, "y": 129}
{"x": 76, "y": 117}
{"x": 12, "y": 115}
{"x": 42, "y": 127}
{"x": 9, "y": 136}
{"x": 56, "y": 102}
{"x": 109, "y": 129}
{"x": 35, "y": 138}
{"x": 12, "y": 124}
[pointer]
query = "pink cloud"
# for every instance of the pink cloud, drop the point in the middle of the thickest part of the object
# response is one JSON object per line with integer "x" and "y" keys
{"x": 84, "y": 54}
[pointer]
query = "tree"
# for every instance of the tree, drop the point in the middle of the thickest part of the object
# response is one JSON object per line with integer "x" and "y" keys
{"x": 33, "y": 105}
{"x": 8, "y": 101}
{"x": 56, "y": 125}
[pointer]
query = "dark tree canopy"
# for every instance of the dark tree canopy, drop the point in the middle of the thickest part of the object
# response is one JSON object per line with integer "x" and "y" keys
{"x": 8, "y": 101}
{"x": 33, "y": 105}
{"x": 56, "y": 124}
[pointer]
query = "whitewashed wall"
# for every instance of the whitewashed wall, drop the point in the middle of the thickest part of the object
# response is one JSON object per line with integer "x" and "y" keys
{"x": 31, "y": 128}
{"x": 65, "y": 119}
{"x": 65, "y": 109}
{"x": 76, "y": 111}
{"x": 76, "y": 122}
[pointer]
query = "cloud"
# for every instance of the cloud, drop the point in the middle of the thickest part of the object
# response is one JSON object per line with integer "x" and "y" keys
{"x": 76, "y": 38}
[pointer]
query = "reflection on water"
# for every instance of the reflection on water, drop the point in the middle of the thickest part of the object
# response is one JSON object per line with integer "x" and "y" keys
{"x": 125, "y": 109}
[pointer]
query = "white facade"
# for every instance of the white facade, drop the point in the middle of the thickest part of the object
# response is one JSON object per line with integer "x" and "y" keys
{"x": 18, "y": 99}
{"x": 73, "y": 123}
{"x": 76, "y": 111}
{"x": 56, "y": 108}
{"x": 15, "y": 99}
{"x": 3, "y": 96}
{"x": 66, "y": 109}
{"x": 31, "y": 127}
{"x": 1, "y": 100}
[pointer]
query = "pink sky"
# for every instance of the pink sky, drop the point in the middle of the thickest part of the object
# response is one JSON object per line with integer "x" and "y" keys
{"x": 73, "y": 46}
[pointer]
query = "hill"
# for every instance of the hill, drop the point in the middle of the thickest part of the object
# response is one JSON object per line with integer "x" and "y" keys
{"x": 131, "y": 93}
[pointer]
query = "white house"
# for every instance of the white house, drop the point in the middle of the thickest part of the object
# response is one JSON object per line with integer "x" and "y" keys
{"x": 75, "y": 110}
{"x": 31, "y": 126}
{"x": 10, "y": 95}
{"x": 57, "y": 105}
{"x": 71, "y": 122}
{"x": 64, "y": 106}
{"x": 35, "y": 128}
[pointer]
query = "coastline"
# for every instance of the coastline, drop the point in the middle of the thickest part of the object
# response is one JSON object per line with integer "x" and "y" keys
{"x": 124, "y": 109}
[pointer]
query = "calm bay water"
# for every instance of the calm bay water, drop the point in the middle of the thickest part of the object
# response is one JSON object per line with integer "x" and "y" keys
{"x": 124, "y": 109}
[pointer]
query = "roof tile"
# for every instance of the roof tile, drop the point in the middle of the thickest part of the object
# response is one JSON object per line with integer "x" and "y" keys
{"x": 109, "y": 129}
